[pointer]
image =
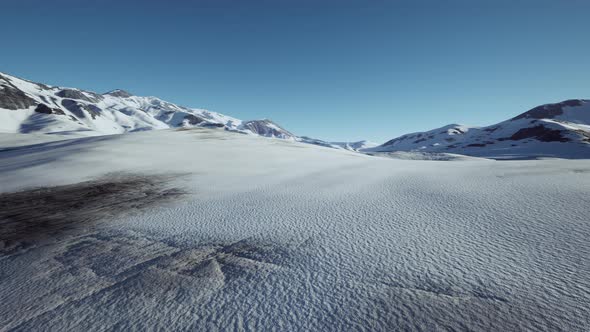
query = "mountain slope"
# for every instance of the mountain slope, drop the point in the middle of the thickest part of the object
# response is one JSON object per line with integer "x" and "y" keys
{"x": 551, "y": 130}
{"x": 206, "y": 229}
{"x": 28, "y": 107}
{"x": 266, "y": 128}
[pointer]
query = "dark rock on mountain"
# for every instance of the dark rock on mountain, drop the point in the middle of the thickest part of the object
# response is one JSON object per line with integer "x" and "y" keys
{"x": 193, "y": 119}
{"x": 266, "y": 128}
{"x": 93, "y": 110}
{"x": 42, "y": 108}
{"x": 213, "y": 125}
{"x": 540, "y": 133}
{"x": 119, "y": 93}
{"x": 74, "y": 107}
{"x": 79, "y": 108}
{"x": 548, "y": 111}
{"x": 12, "y": 98}
{"x": 77, "y": 94}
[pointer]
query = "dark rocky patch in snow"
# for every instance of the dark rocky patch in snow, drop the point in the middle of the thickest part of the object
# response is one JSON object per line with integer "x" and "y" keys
{"x": 540, "y": 133}
{"x": 79, "y": 108}
{"x": 74, "y": 107}
{"x": 12, "y": 98}
{"x": 77, "y": 94}
{"x": 584, "y": 134}
{"x": 548, "y": 111}
{"x": 213, "y": 125}
{"x": 43, "y": 213}
{"x": 192, "y": 119}
{"x": 266, "y": 128}
{"x": 93, "y": 110}
{"x": 119, "y": 93}
{"x": 44, "y": 109}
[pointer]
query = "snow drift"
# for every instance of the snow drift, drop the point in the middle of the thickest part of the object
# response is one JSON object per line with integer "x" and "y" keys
{"x": 264, "y": 234}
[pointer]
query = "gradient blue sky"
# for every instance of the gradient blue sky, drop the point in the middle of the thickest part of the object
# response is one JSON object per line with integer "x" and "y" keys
{"x": 336, "y": 70}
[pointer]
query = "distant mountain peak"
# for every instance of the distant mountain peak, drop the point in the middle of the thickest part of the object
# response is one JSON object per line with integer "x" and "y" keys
{"x": 559, "y": 130}
{"x": 550, "y": 111}
{"x": 119, "y": 93}
{"x": 266, "y": 127}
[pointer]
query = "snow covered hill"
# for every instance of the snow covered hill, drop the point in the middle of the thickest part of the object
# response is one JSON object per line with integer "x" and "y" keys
{"x": 266, "y": 128}
{"x": 28, "y": 107}
{"x": 131, "y": 232}
{"x": 552, "y": 130}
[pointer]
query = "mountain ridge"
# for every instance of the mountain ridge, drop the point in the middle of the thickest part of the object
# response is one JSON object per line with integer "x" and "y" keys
{"x": 559, "y": 129}
{"x": 30, "y": 107}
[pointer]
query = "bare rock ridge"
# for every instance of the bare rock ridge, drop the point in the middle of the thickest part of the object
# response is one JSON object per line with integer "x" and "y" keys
{"x": 267, "y": 128}
{"x": 119, "y": 93}
{"x": 11, "y": 97}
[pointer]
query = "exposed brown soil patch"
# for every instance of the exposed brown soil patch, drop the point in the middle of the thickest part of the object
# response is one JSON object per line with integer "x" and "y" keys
{"x": 34, "y": 215}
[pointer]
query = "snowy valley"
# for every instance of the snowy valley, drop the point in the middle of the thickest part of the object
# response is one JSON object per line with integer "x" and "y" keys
{"x": 120, "y": 212}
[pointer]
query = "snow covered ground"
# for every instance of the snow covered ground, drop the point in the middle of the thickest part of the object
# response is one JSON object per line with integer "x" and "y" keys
{"x": 204, "y": 229}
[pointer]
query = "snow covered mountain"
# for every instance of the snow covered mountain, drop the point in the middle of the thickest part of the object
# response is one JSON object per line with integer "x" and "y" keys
{"x": 266, "y": 128}
{"x": 551, "y": 130}
{"x": 28, "y": 107}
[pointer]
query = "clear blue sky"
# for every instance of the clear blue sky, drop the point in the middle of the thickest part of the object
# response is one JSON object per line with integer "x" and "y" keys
{"x": 337, "y": 70}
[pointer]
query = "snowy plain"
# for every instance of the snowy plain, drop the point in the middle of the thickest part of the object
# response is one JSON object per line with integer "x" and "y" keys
{"x": 271, "y": 234}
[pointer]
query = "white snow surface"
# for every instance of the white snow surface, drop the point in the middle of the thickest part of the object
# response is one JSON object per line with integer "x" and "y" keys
{"x": 279, "y": 235}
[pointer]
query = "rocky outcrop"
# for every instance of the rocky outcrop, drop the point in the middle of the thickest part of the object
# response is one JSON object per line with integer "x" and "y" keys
{"x": 266, "y": 128}
{"x": 44, "y": 109}
{"x": 80, "y": 109}
{"x": 193, "y": 120}
{"x": 90, "y": 97}
{"x": 119, "y": 93}
{"x": 549, "y": 111}
{"x": 540, "y": 133}
{"x": 12, "y": 98}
